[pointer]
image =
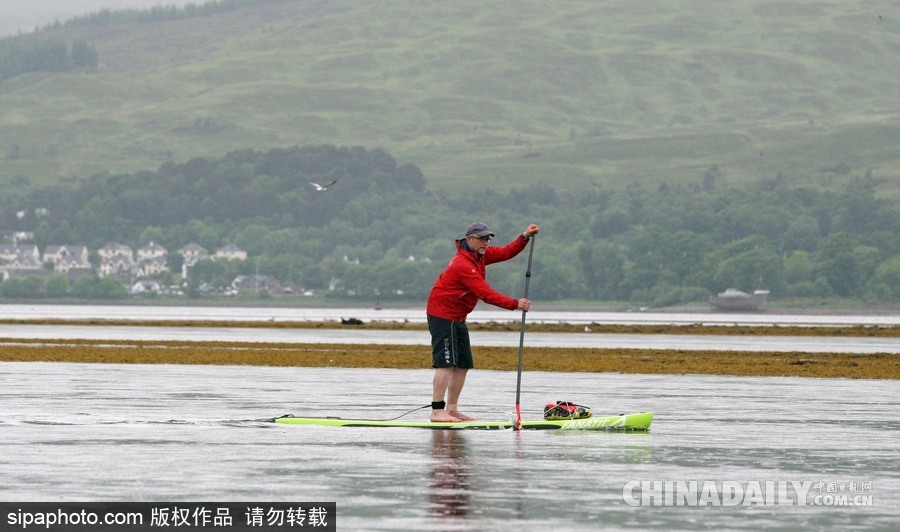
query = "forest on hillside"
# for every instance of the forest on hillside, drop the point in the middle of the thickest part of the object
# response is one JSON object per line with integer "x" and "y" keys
{"x": 36, "y": 52}
{"x": 380, "y": 232}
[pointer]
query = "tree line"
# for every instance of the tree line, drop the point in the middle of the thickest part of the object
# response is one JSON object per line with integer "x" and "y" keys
{"x": 31, "y": 53}
{"x": 58, "y": 287}
{"x": 381, "y": 232}
{"x": 154, "y": 14}
{"x": 36, "y": 52}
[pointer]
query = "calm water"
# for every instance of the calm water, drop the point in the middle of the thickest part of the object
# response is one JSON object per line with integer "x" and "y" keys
{"x": 354, "y": 336}
{"x": 92, "y": 432}
{"x": 483, "y": 313}
{"x": 805, "y": 344}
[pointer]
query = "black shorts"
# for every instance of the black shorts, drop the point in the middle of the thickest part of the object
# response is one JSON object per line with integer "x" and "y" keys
{"x": 449, "y": 343}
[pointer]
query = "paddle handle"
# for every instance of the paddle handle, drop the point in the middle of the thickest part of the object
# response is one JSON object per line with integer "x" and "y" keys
{"x": 518, "y": 424}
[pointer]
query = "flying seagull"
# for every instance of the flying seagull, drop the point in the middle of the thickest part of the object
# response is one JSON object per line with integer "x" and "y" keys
{"x": 321, "y": 188}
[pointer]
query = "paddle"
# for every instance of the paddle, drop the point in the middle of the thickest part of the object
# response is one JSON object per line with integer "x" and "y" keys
{"x": 518, "y": 425}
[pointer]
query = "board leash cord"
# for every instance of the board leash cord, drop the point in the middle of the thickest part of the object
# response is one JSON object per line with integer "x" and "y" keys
{"x": 274, "y": 420}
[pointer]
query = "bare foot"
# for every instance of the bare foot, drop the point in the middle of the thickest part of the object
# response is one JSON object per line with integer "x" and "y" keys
{"x": 440, "y": 416}
{"x": 462, "y": 417}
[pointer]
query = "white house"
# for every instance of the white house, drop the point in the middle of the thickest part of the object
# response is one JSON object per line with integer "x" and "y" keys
{"x": 9, "y": 252}
{"x": 154, "y": 265}
{"x": 152, "y": 251}
{"x": 117, "y": 265}
{"x": 114, "y": 249}
{"x": 231, "y": 252}
{"x": 192, "y": 254}
{"x": 24, "y": 262}
{"x": 56, "y": 253}
{"x": 22, "y": 266}
{"x": 193, "y": 251}
{"x": 145, "y": 287}
{"x": 67, "y": 257}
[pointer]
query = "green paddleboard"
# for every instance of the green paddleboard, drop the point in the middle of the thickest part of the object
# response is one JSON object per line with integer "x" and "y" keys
{"x": 639, "y": 421}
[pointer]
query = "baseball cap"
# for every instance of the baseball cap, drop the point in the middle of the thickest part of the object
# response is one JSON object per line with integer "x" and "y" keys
{"x": 479, "y": 229}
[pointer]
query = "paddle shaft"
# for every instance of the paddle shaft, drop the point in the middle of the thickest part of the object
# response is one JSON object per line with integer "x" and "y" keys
{"x": 518, "y": 424}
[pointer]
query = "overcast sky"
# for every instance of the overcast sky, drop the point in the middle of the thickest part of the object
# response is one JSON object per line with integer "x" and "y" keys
{"x": 24, "y": 15}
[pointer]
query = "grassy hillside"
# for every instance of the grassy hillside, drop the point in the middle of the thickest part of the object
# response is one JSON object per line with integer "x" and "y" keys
{"x": 497, "y": 93}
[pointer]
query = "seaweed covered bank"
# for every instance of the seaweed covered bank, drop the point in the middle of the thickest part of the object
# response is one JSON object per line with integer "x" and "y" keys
{"x": 650, "y": 361}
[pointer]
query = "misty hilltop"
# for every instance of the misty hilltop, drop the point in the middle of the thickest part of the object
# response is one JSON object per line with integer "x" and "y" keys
{"x": 20, "y": 16}
{"x": 503, "y": 93}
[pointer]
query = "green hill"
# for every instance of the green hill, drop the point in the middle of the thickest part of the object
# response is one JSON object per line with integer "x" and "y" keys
{"x": 498, "y": 93}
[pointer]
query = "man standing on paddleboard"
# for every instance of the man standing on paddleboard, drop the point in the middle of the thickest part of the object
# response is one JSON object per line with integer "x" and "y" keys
{"x": 454, "y": 295}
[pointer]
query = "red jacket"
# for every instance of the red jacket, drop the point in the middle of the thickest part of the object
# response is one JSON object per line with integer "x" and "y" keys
{"x": 459, "y": 287}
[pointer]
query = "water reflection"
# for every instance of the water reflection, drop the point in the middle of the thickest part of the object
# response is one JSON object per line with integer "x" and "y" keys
{"x": 451, "y": 472}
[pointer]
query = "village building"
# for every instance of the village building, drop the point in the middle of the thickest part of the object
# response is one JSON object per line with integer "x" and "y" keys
{"x": 192, "y": 251}
{"x": 9, "y": 252}
{"x": 113, "y": 249}
{"x": 192, "y": 254}
{"x": 67, "y": 257}
{"x": 231, "y": 252}
{"x": 151, "y": 251}
{"x": 153, "y": 266}
{"x": 119, "y": 265}
{"x": 18, "y": 261}
{"x": 145, "y": 287}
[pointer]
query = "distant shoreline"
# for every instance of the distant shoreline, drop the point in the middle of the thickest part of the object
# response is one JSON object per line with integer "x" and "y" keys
{"x": 800, "y": 308}
{"x": 880, "y": 331}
